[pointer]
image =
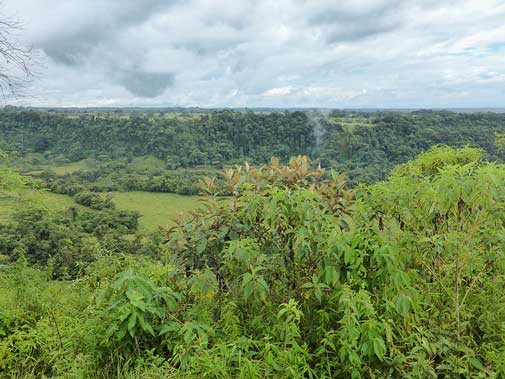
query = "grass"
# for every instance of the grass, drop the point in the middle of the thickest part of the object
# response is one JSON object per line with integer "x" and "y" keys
{"x": 61, "y": 169}
{"x": 157, "y": 209}
{"x": 82, "y": 165}
{"x": 52, "y": 201}
{"x": 145, "y": 163}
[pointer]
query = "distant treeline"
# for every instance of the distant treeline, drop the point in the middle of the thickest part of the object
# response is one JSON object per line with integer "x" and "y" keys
{"x": 367, "y": 145}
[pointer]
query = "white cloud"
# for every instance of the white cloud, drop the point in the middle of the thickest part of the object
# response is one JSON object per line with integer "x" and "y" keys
{"x": 280, "y": 91}
{"x": 286, "y": 53}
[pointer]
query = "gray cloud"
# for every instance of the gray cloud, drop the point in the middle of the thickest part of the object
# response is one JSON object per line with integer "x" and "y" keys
{"x": 267, "y": 53}
{"x": 354, "y": 20}
{"x": 145, "y": 84}
{"x": 68, "y": 51}
{"x": 91, "y": 33}
{"x": 349, "y": 12}
{"x": 348, "y": 33}
{"x": 90, "y": 23}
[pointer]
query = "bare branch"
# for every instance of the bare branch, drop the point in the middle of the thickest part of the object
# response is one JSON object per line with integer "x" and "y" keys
{"x": 18, "y": 62}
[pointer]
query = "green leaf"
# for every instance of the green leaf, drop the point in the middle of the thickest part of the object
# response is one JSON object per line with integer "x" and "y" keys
{"x": 476, "y": 363}
{"x": 379, "y": 347}
{"x": 331, "y": 275}
{"x": 146, "y": 327}
{"x": 348, "y": 255}
{"x": 132, "y": 321}
{"x": 247, "y": 285}
{"x": 248, "y": 290}
{"x": 402, "y": 304}
{"x": 202, "y": 245}
{"x": 354, "y": 358}
{"x": 169, "y": 327}
{"x": 122, "y": 331}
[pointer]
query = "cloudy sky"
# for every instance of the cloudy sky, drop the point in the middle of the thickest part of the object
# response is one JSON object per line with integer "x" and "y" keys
{"x": 275, "y": 53}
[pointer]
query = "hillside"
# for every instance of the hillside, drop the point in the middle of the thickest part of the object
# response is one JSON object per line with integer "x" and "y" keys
{"x": 366, "y": 145}
{"x": 293, "y": 275}
{"x": 290, "y": 268}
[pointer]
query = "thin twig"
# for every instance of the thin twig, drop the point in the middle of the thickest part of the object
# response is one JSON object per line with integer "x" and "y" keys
{"x": 51, "y": 314}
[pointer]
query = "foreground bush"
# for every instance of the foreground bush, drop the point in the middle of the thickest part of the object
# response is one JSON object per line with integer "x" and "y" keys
{"x": 291, "y": 276}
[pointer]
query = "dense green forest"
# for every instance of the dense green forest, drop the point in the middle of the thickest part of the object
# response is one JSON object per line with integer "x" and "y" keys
{"x": 335, "y": 245}
{"x": 365, "y": 145}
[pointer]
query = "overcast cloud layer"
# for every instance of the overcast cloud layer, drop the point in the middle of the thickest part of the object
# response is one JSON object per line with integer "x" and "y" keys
{"x": 282, "y": 53}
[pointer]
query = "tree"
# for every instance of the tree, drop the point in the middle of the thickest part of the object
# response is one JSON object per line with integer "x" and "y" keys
{"x": 18, "y": 61}
{"x": 499, "y": 142}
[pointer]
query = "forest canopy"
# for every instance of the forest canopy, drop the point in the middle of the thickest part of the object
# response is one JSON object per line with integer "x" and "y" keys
{"x": 365, "y": 145}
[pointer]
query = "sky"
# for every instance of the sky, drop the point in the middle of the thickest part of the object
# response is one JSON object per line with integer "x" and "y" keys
{"x": 265, "y": 53}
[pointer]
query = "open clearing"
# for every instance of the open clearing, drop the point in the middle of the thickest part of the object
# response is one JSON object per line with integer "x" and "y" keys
{"x": 52, "y": 201}
{"x": 157, "y": 209}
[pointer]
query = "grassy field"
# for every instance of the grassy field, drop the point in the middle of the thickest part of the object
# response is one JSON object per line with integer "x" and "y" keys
{"x": 52, "y": 201}
{"x": 82, "y": 165}
{"x": 156, "y": 208}
{"x": 62, "y": 169}
{"x": 145, "y": 163}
